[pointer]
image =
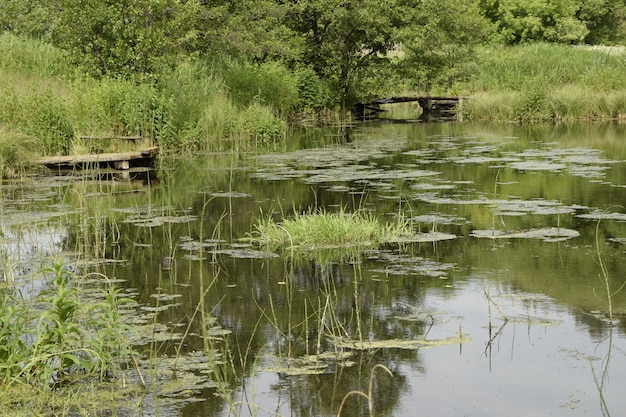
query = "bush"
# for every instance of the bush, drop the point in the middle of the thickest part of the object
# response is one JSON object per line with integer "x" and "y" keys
{"x": 271, "y": 84}
{"x": 262, "y": 125}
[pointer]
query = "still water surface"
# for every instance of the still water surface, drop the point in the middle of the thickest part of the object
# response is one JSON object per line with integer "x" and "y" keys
{"x": 499, "y": 308}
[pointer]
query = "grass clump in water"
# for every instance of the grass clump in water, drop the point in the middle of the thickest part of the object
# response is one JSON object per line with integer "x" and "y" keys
{"x": 322, "y": 230}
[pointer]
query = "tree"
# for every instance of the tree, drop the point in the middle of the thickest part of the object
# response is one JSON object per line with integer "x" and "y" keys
{"x": 605, "y": 20}
{"x": 536, "y": 20}
{"x": 26, "y": 17}
{"x": 256, "y": 30}
{"x": 345, "y": 37}
{"x": 124, "y": 37}
{"x": 440, "y": 42}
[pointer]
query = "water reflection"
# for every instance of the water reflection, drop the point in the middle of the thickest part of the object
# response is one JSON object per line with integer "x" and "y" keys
{"x": 507, "y": 317}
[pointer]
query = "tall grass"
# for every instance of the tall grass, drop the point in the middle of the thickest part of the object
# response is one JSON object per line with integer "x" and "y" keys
{"x": 543, "y": 82}
{"x": 17, "y": 151}
{"x": 31, "y": 57}
{"x": 191, "y": 107}
{"x": 511, "y": 68}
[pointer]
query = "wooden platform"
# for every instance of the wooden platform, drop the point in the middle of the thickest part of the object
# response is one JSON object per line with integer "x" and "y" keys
{"x": 119, "y": 160}
{"x": 433, "y": 107}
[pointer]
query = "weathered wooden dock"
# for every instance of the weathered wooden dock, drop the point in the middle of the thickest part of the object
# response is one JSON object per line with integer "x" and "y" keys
{"x": 118, "y": 160}
{"x": 434, "y": 108}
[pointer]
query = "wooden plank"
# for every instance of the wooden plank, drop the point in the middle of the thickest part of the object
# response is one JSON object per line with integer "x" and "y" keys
{"x": 102, "y": 157}
{"x": 407, "y": 99}
{"x": 112, "y": 137}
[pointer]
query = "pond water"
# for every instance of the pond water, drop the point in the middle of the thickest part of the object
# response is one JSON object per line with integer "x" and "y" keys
{"x": 498, "y": 307}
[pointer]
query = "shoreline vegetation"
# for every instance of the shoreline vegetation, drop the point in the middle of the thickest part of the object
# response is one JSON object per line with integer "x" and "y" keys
{"x": 46, "y": 103}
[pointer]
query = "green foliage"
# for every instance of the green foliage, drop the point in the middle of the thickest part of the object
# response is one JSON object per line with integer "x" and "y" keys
{"x": 440, "y": 44}
{"x": 564, "y": 21}
{"x": 271, "y": 84}
{"x": 342, "y": 38}
{"x": 30, "y": 56}
{"x": 605, "y": 20}
{"x": 121, "y": 108}
{"x": 17, "y": 151}
{"x": 260, "y": 123}
{"x": 509, "y": 68}
{"x": 252, "y": 30}
{"x": 123, "y": 38}
{"x": 27, "y": 17}
{"x": 322, "y": 229}
{"x": 70, "y": 338}
{"x": 39, "y": 114}
{"x": 533, "y": 105}
{"x": 312, "y": 92}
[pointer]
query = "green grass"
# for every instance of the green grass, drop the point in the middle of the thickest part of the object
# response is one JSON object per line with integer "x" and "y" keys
{"x": 547, "y": 82}
{"x": 191, "y": 107}
{"x": 17, "y": 151}
{"x": 30, "y": 57}
{"x": 323, "y": 230}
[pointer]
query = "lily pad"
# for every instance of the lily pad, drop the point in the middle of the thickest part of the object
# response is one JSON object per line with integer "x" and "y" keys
{"x": 603, "y": 215}
{"x": 538, "y": 166}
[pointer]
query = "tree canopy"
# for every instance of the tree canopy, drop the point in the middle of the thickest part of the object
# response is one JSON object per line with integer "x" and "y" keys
{"x": 429, "y": 43}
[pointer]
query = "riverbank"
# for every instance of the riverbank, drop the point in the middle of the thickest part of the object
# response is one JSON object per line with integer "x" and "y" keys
{"x": 46, "y": 104}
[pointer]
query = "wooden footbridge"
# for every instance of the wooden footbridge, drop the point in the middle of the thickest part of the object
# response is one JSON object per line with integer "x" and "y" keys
{"x": 434, "y": 108}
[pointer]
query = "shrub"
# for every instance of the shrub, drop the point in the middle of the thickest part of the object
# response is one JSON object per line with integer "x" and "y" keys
{"x": 271, "y": 84}
{"x": 262, "y": 125}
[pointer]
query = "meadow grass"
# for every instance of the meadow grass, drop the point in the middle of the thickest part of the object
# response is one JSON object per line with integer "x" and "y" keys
{"x": 547, "y": 82}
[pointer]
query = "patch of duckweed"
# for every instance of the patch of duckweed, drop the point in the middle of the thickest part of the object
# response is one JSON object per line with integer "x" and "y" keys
{"x": 538, "y": 166}
{"x": 193, "y": 245}
{"x": 534, "y": 321}
{"x": 406, "y": 344}
{"x": 439, "y": 219}
{"x": 538, "y": 206}
{"x": 230, "y": 194}
{"x": 185, "y": 375}
{"x": 347, "y": 163}
{"x": 165, "y": 297}
{"x": 154, "y": 221}
{"x": 435, "y": 198}
{"x": 246, "y": 253}
{"x": 582, "y": 162}
{"x": 310, "y": 364}
{"x": 603, "y": 215}
{"x": 422, "y": 238}
{"x": 400, "y": 264}
{"x": 547, "y": 234}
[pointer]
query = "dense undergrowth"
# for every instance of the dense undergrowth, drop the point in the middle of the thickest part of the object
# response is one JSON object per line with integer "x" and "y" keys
{"x": 46, "y": 104}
